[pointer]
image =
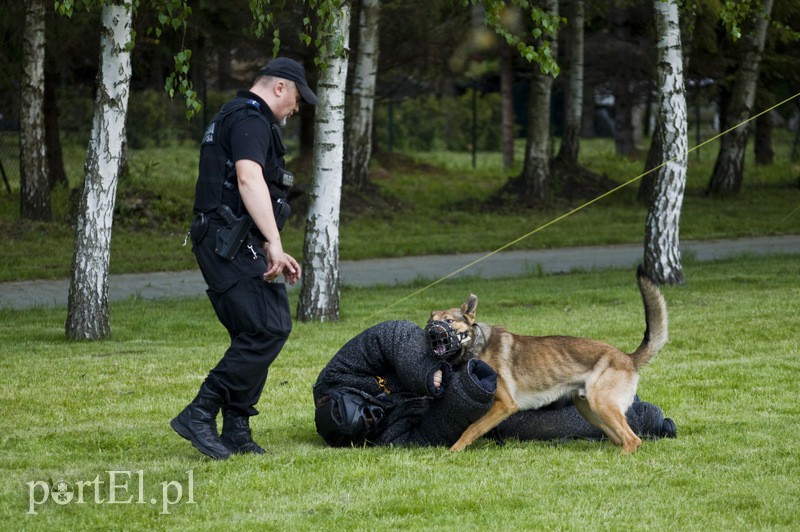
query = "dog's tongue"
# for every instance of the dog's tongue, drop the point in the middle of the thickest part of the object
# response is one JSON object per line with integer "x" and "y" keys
{"x": 439, "y": 349}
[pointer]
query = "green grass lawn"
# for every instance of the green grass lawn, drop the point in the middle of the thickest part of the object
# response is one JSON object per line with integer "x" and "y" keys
{"x": 432, "y": 204}
{"x": 74, "y": 411}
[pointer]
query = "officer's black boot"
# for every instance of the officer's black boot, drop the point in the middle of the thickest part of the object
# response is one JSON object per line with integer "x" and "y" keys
{"x": 236, "y": 434}
{"x": 198, "y": 424}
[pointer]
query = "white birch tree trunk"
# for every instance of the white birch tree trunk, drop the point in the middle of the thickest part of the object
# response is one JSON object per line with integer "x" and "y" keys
{"x": 319, "y": 295}
{"x": 662, "y": 257}
{"x": 87, "y": 312}
{"x": 34, "y": 194}
{"x": 570, "y": 143}
{"x": 363, "y": 104}
{"x": 536, "y": 172}
{"x": 728, "y": 174}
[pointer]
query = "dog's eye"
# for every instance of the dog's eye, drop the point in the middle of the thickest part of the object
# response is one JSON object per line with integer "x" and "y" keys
{"x": 450, "y": 320}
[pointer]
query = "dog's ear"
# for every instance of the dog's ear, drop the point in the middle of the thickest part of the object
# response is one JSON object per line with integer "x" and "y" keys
{"x": 468, "y": 307}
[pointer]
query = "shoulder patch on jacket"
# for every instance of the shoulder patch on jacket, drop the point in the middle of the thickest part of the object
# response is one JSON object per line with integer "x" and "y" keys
{"x": 208, "y": 136}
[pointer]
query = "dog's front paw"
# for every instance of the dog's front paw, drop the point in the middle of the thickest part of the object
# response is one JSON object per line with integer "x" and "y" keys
{"x": 458, "y": 446}
{"x": 631, "y": 446}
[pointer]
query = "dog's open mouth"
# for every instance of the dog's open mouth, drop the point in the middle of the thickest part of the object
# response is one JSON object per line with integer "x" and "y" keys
{"x": 443, "y": 340}
{"x": 439, "y": 349}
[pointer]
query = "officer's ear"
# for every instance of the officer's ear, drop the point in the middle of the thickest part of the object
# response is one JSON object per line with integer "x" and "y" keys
{"x": 280, "y": 87}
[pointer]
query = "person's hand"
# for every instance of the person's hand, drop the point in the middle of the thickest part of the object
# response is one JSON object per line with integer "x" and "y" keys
{"x": 280, "y": 263}
{"x": 437, "y": 379}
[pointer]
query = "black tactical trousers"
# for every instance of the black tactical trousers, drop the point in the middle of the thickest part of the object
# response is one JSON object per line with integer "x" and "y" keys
{"x": 255, "y": 313}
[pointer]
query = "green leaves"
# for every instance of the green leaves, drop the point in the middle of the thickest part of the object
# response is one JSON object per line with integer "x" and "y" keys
{"x": 170, "y": 14}
{"x": 276, "y": 42}
{"x": 262, "y": 18}
{"x": 178, "y": 81}
{"x": 735, "y": 13}
{"x": 323, "y": 12}
{"x": 67, "y": 7}
{"x": 173, "y": 15}
{"x": 534, "y": 47}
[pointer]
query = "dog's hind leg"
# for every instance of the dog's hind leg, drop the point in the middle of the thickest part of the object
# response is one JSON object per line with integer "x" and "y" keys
{"x": 609, "y": 393}
{"x": 504, "y": 405}
{"x": 586, "y": 411}
{"x": 608, "y": 401}
{"x": 616, "y": 421}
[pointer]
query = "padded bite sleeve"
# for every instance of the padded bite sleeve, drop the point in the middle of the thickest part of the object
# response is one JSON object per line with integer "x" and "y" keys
{"x": 406, "y": 350}
{"x": 468, "y": 396}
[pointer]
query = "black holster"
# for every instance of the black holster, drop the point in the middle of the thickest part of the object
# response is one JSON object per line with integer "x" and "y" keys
{"x": 231, "y": 237}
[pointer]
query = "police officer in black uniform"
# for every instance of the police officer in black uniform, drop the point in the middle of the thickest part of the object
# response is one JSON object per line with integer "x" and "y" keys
{"x": 240, "y": 207}
{"x": 389, "y": 386}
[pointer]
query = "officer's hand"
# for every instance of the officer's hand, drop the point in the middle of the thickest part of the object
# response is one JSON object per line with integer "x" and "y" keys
{"x": 280, "y": 263}
{"x": 291, "y": 274}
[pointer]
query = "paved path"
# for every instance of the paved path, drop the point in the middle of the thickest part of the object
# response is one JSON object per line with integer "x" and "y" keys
{"x": 28, "y": 294}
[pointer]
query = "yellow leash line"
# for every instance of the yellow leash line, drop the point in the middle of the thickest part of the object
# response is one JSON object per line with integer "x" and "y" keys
{"x": 784, "y": 219}
{"x": 523, "y": 237}
{"x": 581, "y": 207}
{"x": 765, "y": 111}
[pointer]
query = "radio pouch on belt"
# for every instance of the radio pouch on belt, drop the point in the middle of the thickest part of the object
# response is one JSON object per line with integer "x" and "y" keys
{"x": 281, "y": 210}
{"x": 231, "y": 237}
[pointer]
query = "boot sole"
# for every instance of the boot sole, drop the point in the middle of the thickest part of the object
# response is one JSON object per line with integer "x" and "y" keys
{"x": 235, "y": 449}
{"x": 185, "y": 433}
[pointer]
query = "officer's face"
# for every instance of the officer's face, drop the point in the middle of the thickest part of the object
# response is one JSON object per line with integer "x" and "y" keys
{"x": 288, "y": 100}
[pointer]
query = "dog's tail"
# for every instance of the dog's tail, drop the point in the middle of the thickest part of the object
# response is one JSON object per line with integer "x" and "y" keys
{"x": 655, "y": 315}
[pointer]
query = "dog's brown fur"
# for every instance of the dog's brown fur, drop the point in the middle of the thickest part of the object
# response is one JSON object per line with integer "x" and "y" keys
{"x": 533, "y": 371}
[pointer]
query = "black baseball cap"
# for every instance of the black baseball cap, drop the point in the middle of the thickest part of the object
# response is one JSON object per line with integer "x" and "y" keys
{"x": 285, "y": 68}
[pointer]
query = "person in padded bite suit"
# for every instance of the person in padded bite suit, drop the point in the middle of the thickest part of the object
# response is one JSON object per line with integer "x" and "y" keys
{"x": 387, "y": 387}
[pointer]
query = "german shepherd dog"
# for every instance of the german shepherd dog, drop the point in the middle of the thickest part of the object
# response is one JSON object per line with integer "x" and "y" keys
{"x": 533, "y": 371}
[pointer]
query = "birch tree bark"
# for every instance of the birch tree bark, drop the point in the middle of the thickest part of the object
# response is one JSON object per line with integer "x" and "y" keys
{"x": 662, "y": 257}
{"x": 535, "y": 181}
{"x": 87, "y": 312}
{"x": 507, "y": 103}
{"x": 728, "y": 173}
{"x": 34, "y": 194}
{"x": 765, "y": 154}
{"x": 319, "y": 295}
{"x": 363, "y": 105}
{"x": 570, "y": 143}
